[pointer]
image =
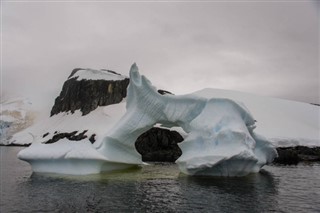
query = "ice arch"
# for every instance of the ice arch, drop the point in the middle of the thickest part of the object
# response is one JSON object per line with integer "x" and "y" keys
{"x": 220, "y": 139}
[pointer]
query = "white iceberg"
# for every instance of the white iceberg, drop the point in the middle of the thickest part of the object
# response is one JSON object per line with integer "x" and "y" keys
{"x": 284, "y": 122}
{"x": 220, "y": 140}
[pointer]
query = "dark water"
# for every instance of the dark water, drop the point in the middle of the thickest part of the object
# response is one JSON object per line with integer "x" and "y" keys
{"x": 157, "y": 188}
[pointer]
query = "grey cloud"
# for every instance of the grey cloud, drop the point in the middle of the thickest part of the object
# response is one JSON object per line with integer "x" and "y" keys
{"x": 259, "y": 47}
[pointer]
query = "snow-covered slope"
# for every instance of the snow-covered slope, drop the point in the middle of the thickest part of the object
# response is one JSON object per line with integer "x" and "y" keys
{"x": 98, "y": 93}
{"x": 97, "y": 122}
{"x": 283, "y": 122}
{"x": 91, "y": 74}
{"x": 15, "y": 115}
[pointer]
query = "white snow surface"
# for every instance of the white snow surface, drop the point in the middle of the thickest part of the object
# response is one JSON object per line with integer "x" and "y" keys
{"x": 91, "y": 74}
{"x": 16, "y": 107}
{"x": 220, "y": 140}
{"x": 15, "y": 115}
{"x": 96, "y": 122}
{"x": 283, "y": 122}
{"x": 68, "y": 157}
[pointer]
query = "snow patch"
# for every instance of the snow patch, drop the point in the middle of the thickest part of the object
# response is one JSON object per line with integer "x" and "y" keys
{"x": 97, "y": 122}
{"x": 91, "y": 74}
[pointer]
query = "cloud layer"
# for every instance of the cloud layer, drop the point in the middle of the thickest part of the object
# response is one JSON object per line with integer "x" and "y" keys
{"x": 259, "y": 47}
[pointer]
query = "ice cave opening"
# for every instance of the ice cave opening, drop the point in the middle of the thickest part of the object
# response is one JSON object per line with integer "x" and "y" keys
{"x": 160, "y": 144}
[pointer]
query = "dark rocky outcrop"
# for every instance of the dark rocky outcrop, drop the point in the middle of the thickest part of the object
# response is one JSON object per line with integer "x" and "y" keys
{"x": 72, "y": 136}
{"x": 86, "y": 95}
{"x": 164, "y": 92}
{"x": 294, "y": 155}
{"x": 92, "y": 138}
{"x": 45, "y": 134}
{"x": 159, "y": 145}
{"x": 286, "y": 156}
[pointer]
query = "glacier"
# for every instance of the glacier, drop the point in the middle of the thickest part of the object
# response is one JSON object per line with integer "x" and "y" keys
{"x": 220, "y": 137}
{"x": 15, "y": 115}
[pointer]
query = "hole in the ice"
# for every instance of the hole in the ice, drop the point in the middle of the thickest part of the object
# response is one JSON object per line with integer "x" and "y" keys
{"x": 159, "y": 145}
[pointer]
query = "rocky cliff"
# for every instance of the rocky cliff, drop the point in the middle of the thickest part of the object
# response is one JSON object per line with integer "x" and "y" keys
{"x": 87, "y": 89}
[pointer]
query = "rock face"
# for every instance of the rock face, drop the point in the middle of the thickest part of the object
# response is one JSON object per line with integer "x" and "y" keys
{"x": 86, "y": 95}
{"x": 294, "y": 155}
{"x": 159, "y": 145}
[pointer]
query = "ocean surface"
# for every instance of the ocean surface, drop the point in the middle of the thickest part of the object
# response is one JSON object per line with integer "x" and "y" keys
{"x": 157, "y": 188}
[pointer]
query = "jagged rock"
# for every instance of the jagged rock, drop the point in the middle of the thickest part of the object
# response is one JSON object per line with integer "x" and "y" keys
{"x": 72, "y": 136}
{"x": 92, "y": 138}
{"x": 164, "y": 92}
{"x": 294, "y": 155}
{"x": 87, "y": 94}
{"x": 286, "y": 156}
{"x": 159, "y": 145}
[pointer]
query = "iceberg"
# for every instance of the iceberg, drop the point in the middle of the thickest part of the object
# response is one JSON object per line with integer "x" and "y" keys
{"x": 284, "y": 122}
{"x": 220, "y": 139}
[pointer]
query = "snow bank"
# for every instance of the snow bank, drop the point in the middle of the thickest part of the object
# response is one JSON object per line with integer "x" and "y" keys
{"x": 97, "y": 122}
{"x": 283, "y": 122}
{"x": 91, "y": 74}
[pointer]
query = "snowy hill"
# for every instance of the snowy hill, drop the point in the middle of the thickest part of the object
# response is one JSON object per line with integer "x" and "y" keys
{"x": 96, "y": 123}
{"x": 284, "y": 122}
{"x": 15, "y": 115}
{"x": 90, "y": 102}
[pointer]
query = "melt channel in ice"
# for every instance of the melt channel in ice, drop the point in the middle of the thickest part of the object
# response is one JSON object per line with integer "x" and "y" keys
{"x": 220, "y": 140}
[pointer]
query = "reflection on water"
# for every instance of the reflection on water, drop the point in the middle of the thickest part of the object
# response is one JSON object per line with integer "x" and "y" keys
{"x": 256, "y": 192}
{"x": 157, "y": 188}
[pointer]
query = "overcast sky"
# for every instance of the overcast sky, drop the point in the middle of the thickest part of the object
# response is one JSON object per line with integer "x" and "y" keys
{"x": 267, "y": 48}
